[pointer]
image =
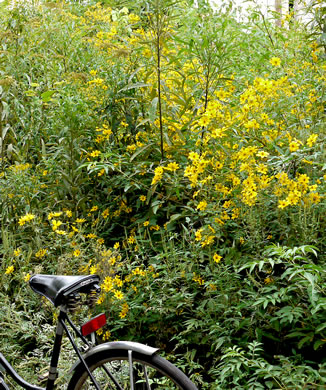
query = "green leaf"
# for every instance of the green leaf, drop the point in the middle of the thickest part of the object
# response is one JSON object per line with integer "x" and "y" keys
{"x": 133, "y": 86}
{"x": 46, "y": 96}
{"x": 139, "y": 151}
{"x": 320, "y": 327}
{"x": 174, "y": 217}
{"x": 318, "y": 343}
{"x": 310, "y": 278}
{"x": 155, "y": 206}
{"x": 152, "y": 109}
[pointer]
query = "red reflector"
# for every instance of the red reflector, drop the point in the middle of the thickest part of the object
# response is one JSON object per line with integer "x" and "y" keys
{"x": 93, "y": 325}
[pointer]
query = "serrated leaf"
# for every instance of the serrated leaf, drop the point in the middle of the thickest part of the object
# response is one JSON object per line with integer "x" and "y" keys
{"x": 309, "y": 277}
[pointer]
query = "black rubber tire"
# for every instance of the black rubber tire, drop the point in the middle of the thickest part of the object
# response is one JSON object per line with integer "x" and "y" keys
{"x": 164, "y": 368}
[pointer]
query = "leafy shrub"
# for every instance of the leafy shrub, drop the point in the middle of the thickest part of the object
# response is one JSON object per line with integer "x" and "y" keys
{"x": 177, "y": 152}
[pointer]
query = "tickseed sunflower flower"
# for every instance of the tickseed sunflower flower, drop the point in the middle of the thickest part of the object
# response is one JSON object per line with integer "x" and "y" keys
{"x": 217, "y": 258}
{"x": 10, "y": 270}
{"x": 25, "y": 218}
{"x": 275, "y": 61}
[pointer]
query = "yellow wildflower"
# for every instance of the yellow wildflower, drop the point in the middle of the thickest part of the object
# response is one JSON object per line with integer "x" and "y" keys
{"x": 95, "y": 153}
{"x": 262, "y": 154}
{"x": 76, "y": 252}
{"x": 105, "y": 213}
{"x": 10, "y": 270}
{"x": 56, "y": 224}
{"x": 106, "y": 335}
{"x": 312, "y": 140}
{"x": 61, "y": 232}
{"x": 17, "y": 252}
{"x": 27, "y": 277}
{"x": 198, "y": 236}
{"x": 294, "y": 146}
{"x": 202, "y": 205}
{"x": 275, "y": 61}
{"x": 217, "y": 258}
{"x": 26, "y": 218}
{"x": 131, "y": 240}
{"x": 124, "y": 310}
{"x": 41, "y": 253}
{"x": 283, "y": 203}
{"x": 173, "y": 166}
{"x": 198, "y": 279}
{"x": 158, "y": 174}
{"x": 118, "y": 294}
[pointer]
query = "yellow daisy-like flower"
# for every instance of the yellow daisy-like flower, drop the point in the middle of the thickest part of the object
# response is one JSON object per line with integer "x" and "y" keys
{"x": 56, "y": 224}
{"x": 61, "y": 232}
{"x": 25, "y": 218}
{"x": 202, "y": 205}
{"x": 275, "y": 61}
{"x": 312, "y": 140}
{"x": 146, "y": 223}
{"x": 173, "y": 166}
{"x": 105, "y": 213}
{"x": 262, "y": 154}
{"x": 217, "y": 258}
{"x": 118, "y": 294}
{"x": 142, "y": 198}
{"x": 131, "y": 240}
{"x": 17, "y": 252}
{"x": 294, "y": 146}
{"x": 41, "y": 253}
{"x": 76, "y": 252}
{"x": 27, "y": 277}
{"x": 10, "y": 270}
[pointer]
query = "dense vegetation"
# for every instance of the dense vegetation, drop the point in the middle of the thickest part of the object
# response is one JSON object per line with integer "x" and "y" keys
{"x": 178, "y": 153}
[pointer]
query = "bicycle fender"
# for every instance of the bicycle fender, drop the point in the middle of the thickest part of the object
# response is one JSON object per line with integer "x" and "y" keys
{"x": 112, "y": 345}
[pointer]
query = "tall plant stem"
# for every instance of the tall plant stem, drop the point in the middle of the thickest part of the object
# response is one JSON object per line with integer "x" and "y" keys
{"x": 159, "y": 90}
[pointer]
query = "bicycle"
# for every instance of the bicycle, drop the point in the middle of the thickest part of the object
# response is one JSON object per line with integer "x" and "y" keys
{"x": 118, "y": 365}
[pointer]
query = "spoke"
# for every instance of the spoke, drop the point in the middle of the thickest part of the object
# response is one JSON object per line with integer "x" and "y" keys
{"x": 131, "y": 372}
{"x": 110, "y": 375}
{"x": 146, "y": 377}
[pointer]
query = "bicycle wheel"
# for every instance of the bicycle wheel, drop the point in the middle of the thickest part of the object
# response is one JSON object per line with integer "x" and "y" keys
{"x": 111, "y": 370}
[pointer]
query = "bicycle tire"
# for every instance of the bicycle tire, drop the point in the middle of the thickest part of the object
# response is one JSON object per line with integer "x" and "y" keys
{"x": 161, "y": 374}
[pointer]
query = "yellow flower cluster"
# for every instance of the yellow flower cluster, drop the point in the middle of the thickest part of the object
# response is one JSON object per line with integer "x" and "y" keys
{"x": 26, "y": 218}
{"x": 230, "y": 151}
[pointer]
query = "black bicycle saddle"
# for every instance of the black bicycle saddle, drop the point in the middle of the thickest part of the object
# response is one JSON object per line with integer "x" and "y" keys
{"x": 57, "y": 287}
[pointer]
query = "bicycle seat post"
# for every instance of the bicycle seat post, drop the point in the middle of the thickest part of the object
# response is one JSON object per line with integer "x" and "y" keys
{"x": 53, "y": 370}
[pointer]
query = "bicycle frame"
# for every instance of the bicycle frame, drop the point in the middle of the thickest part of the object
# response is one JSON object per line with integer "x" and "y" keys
{"x": 90, "y": 350}
{"x": 52, "y": 375}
